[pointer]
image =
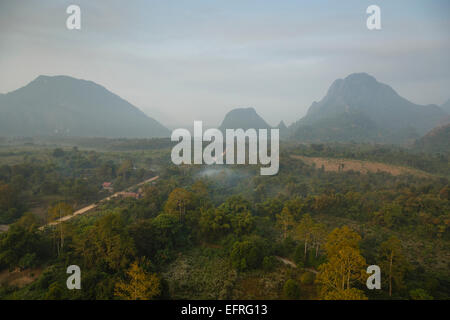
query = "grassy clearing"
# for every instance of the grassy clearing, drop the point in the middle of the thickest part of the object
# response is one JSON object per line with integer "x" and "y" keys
{"x": 338, "y": 165}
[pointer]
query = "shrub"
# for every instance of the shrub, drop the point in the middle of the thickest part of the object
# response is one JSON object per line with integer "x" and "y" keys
{"x": 307, "y": 278}
{"x": 420, "y": 294}
{"x": 27, "y": 261}
{"x": 242, "y": 256}
{"x": 285, "y": 247}
{"x": 248, "y": 254}
{"x": 291, "y": 289}
{"x": 299, "y": 255}
{"x": 269, "y": 263}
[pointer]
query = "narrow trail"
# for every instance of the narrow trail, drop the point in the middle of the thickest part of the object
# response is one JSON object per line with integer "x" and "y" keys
{"x": 293, "y": 265}
{"x": 287, "y": 261}
{"x": 95, "y": 204}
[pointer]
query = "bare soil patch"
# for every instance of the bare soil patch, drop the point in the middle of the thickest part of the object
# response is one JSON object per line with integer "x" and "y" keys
{"x": 19, "y": 278}
{"x": 341, "y": 165}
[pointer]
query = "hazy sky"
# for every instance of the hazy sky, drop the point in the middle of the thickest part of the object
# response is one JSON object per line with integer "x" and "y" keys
{"x": 181, "y": 61}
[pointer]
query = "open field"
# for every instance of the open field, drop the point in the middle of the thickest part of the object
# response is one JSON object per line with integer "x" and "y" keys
{"x": 337, "y": 165}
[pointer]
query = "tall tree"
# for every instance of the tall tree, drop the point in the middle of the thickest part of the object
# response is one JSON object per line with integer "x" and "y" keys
{"x": 107, "y": 245}
{"x": 125, "y": 169}
{"x": 305, "y": 230}
{"x": 178, "y": 202}
{"x": 23, "y": 245}
{"x": 200, "y": 193}
{"x": 344, "y": 267}
{"x": 393, "y": 262}
{"x": 340, "y": 238}
{"x": 140, "y": 285}
{"x": 319, "y": 234}
{"x": 57, "y": 212}
{"x": 285, "y": 221}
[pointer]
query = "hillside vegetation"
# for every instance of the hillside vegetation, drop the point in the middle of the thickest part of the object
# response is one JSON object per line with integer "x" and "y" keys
{"x": 217, "y": 232}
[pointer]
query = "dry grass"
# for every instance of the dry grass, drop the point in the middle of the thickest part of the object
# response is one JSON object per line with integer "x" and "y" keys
{"x": 19, "y": 278}
{"x": 338, "y": 165}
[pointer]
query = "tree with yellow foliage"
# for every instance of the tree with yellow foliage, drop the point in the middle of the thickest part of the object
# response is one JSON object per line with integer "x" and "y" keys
{"x": 340, "y": 238}
{"x": 140, "y": 284}
{"x": 345, "y": 266}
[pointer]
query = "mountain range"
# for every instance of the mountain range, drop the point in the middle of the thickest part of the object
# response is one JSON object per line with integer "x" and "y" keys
{"x": 359, "y": 108}
{"x": 62, "y": 105}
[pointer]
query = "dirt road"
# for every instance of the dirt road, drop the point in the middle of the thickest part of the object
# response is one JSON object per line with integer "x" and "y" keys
{"x": 94, "y": 205}
{"x": 293, "y": 265}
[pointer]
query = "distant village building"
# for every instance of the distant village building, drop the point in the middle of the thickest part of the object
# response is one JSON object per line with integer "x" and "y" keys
{"x": 107, "y": 186}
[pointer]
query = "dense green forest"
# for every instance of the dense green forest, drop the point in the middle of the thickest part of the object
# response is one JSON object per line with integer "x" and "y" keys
{"x": 222, "y": 232}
